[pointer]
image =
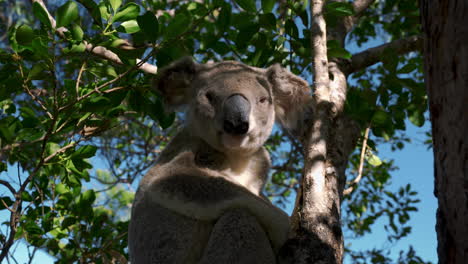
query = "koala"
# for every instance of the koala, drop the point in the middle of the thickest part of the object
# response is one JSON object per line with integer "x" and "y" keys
{"x": 202, "y": 202}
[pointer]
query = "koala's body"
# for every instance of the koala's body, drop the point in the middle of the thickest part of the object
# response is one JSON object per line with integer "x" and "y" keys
{"x": 202, "y": 202}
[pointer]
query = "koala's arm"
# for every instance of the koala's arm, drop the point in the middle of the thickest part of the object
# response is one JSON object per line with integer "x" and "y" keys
{"x": 238, "y": 238}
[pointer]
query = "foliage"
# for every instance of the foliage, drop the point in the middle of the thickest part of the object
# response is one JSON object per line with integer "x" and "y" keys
{"x": 67, "y": 113}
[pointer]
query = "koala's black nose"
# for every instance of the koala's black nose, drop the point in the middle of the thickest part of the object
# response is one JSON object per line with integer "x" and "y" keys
{"x": 236, "y": 115}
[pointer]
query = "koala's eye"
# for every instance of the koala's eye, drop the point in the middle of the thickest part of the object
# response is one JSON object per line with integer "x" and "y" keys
{"x": 263, "y": 100}
{"x": 210, "y": 97}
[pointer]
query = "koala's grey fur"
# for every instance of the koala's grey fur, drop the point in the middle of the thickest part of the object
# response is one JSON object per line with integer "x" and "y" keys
{"x": 202, "y": 202}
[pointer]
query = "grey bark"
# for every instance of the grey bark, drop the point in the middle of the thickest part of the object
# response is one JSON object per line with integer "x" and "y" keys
{"x": 316, "y": 235}
{"x": 446, "y": 72}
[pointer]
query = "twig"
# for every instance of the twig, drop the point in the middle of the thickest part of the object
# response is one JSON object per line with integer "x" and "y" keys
{"x": 361, "y": 164}
{"x": 6, "y": 206}
{"x": 361, "y": 5}
{"x": 78, "y": 79}
{"x": 373, "y": 55}
{"x": 35, "y": 98}
{"x": 8, "y": 185}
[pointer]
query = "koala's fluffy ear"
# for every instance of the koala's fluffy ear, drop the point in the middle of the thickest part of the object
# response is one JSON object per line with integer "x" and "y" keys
{"x": 173, "y": 81}
{"x": 292, "y": 98}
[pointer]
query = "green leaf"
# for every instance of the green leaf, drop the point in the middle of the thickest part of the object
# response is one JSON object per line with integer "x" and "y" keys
{"x": 96, "y": 104}
{"x": 52, "y": 147}
{"x": 68, "y": 222}
{"x": 247, "y": 5}
{"x": 75, "y": 48}
{"x": 24, "y": 35}
{"x": 149, "y": 25}
{"x": 415, "y": 115}
{"x": 66, "y": 14}
{"x": 40, "y": 47}
{"x": 267, "y": 21}
{"x": 104, "y": 11}
{"x": 407, "y": 68}
{"x": 340, "y": 8}
{"x": 178, "y": 25}
{"x": 267, "y": 5}
{"x": 41, "y": 14}
{"x": 61, "y": 188}
{"x": 224, "y": 18}
{"x": 81, "y": 166}
{"x": 374, "y": 160}
{"x": 93, "y": 9}
{"x": 25, "y": 196}
{"x": 334, "y": 50}
{"x": 86, "y": 151}
{"x": 129, "y": 27}
{"x": 115, "y": 4}
{"x": 127, "y": 12}
{"x": 32, "y": 228}
{"x": 77, "y": 32}
{"x": 38, "y": 71}
{"x": 88, "y": 197}
{"x": 291, "y": 28}
{"x": 380, "y": 118}
{"x": 166, "y": 121}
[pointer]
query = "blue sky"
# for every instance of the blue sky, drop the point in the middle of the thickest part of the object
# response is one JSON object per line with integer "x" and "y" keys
{"x": 416, "y": 167}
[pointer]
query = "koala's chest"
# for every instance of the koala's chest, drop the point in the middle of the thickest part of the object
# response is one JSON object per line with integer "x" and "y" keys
{"x": 244, "y": 176}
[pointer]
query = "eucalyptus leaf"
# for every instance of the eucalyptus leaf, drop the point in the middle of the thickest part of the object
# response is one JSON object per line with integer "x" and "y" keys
{"x": 178, "y": 25}
{"x": 66, "y": 14}
{"x": 149, "y": 25}
{"x": 130, "y": 27}
{"x": 24, "y": 35}
{"x": 267, "y": 5}
{"x": 247, "y": 5}
{"x": 115, "y": 4}
{"x": 129, "y": 11}
{"x": 41, "y": 14}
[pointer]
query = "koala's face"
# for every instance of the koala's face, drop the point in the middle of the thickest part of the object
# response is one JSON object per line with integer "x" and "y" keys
{"x": 232, "y": 109}
{"x": 232, "y": 106}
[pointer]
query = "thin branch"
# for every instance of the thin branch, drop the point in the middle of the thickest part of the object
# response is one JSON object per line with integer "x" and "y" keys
{"x": 8, "y": 185}
{"x": 361, "y": 5}
{"x": 374, "y": 55}
{"x": 319, "y": 43}
{"x": 315, "y": 143}
{"x": 99, "y": 51}
{"x": 6, "y": 205}
{"x": 361, "y": 164}
{"x": 35, "y": 98}
{"x": 78, "y": 79}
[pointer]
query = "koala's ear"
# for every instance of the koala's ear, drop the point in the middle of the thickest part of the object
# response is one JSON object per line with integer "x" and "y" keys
{"x": 173, "y": 81}
{"x": 292, "y": 97}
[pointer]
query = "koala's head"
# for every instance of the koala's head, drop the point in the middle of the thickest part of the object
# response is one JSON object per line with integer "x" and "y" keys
{"x": 232, "y": 106}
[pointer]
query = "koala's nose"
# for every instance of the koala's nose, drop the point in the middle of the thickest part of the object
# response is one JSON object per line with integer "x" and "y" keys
{"x": 236, "y": 115}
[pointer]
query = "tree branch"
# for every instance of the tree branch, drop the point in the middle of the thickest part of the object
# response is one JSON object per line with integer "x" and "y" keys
{"x": 99, "y": 51}
{"x": 361, "y": 164}
{"x": 8, "y": 185}
{"x": 361, "y": 5}
{"x": 374, "y": 55}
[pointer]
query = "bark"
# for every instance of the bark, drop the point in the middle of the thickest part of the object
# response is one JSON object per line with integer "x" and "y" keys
{"x": 316, "y": 235}
{"x": 446, "y": 72}
{"x": 374, "y": 55}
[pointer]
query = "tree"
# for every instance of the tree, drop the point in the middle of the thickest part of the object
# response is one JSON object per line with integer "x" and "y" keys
{"x": 75, "y": 84}
{"x": 446, "y": 82}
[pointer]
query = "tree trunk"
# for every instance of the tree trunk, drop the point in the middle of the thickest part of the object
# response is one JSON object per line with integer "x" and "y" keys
{"x": 316, "y": 235}
{"x": 445, "y": 24}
